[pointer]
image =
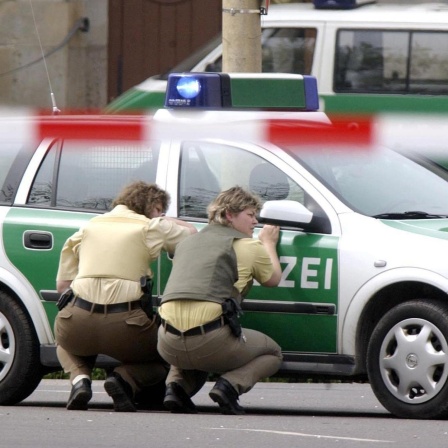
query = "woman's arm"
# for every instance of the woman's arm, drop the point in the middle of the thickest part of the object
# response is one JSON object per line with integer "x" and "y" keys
{"x": 181, "y": 223}
{"x": 62, "y": 285}
{"x": 269, "y": 236}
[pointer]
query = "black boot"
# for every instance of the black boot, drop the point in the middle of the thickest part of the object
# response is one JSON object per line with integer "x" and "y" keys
{"x": 226, "y": 396}
{"x": 177, "y": 401}
{"x": 121, "y": 392}
{"x": 80, "y": 395}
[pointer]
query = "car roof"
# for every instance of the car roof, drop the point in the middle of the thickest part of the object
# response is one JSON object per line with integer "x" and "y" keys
{"x": 381, "y": 14}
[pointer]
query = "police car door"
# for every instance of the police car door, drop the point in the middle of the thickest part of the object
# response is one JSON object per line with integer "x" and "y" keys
{"x": 301, "y": 313}
{"x": 65, "y": 184}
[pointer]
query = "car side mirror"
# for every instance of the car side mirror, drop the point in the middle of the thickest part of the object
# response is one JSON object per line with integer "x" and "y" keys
{"x": 285, "y": 212}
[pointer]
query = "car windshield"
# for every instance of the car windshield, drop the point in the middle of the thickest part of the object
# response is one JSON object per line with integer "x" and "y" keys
{"x": 284, "y": 50}
{"x": 187, "y": 64}
{"x": 382, "y": 183}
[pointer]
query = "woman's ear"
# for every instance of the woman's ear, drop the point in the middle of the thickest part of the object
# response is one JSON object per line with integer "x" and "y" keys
{"x": 229, "y": 216}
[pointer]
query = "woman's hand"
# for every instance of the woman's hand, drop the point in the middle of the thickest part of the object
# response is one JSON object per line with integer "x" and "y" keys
{"x": 269, "y": 234}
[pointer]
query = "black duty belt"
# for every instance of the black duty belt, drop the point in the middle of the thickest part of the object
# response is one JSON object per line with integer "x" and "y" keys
{"x": 201, "y": 329}
{"x": 112, "y": 308}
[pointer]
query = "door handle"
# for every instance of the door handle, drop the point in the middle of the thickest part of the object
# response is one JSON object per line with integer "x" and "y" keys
{"x": 35, "y": 239}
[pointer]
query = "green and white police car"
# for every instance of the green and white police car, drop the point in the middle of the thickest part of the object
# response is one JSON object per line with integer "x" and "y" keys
{"x": 364, "y": 230}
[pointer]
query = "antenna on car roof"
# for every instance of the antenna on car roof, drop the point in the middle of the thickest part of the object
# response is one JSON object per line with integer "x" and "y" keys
{"x": 53, "y": 100}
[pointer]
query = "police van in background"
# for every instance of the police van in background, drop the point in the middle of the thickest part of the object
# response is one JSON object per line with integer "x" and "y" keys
{"x": 363, "y": 241}
{"x": 366, "y": 57}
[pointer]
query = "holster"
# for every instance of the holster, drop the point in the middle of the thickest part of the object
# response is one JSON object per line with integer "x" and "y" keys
{"x": 146, "y": 298}
{"x": 231, "y": 311}
{"x": 65, "y": 298}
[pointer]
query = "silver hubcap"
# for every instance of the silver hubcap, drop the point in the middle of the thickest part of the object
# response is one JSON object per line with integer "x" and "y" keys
{"x": 7, "y": 346}
{"x": 414, "y": 361}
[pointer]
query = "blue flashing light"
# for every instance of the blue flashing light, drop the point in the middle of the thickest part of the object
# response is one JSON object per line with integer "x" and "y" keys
{"x": 196, "y": 90}
{"x": 340, "y": 4}
{"x": 188, "y": 87}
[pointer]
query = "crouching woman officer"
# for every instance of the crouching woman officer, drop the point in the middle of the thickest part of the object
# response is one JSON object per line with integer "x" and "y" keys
{"x": 103, "y": 263}
{"x": 200, "y": 331}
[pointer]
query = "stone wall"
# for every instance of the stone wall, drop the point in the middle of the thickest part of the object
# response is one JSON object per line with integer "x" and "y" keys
{"x": 76, "y": 72}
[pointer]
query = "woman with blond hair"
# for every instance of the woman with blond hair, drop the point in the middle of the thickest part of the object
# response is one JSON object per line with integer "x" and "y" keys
{"x": 212, "y": 272}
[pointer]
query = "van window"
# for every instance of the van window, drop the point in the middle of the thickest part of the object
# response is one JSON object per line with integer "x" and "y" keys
{"x": 90, "y": 176}
{"x": 288, "y": 50}
{"x": 284, "y": 50}
{"x": 384, "y": 61}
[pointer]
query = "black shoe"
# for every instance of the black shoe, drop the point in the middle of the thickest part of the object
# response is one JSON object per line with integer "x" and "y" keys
{"x": 177, "y": 401}
{"x": 80, "y": 395}
{"x": 226, "y": 396}
{"x": 121, "y": 392}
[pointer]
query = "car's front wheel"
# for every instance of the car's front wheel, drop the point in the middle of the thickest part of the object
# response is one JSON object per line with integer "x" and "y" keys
{"x": 407, "y": 360}
{"x": 20, "y": 368}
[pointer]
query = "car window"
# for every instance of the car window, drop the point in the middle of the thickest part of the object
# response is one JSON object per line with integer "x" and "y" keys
{"x": 90, "y": 176}
{"x": 9, "y": 153}
{"x": 14, "y": 160}
{"x": 284, "y": 50}
{"x": 208, "y": 168}
{"x": 391, "y": 61}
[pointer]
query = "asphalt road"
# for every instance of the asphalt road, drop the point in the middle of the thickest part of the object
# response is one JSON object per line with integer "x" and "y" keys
{"x": 278, "y": 415}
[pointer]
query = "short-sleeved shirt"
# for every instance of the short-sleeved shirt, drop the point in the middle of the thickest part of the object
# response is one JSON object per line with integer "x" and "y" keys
{"x": 160, "y": 234}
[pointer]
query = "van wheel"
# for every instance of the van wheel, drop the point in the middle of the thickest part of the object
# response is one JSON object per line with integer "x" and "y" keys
{"x": 20, "y": 368}
{"x": 407, "y": 360}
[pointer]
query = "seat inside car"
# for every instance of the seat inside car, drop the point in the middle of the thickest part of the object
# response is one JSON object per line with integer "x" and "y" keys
{"x": 268, "y": 182}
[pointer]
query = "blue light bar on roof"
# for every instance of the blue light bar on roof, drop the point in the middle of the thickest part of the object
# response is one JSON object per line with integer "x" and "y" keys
{"x": 340, "y": 4}
{"x": 243, "y": 91}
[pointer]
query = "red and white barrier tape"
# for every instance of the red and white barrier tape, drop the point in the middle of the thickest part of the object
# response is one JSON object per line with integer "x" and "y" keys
{"x": 423, "y": 132}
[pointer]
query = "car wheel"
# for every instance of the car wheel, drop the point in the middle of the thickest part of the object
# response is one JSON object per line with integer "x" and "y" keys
{"x": 407, "y": 360}
{"x": 20, "y": 368}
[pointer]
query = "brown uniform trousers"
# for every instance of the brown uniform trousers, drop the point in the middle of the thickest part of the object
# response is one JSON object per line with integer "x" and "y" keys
{"x": 241, "y": 361}
{"x": 130, "y": 337}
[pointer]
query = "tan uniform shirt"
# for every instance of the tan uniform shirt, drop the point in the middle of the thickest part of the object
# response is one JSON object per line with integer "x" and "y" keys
{"x": 159, "y": 234}
{"x": 253, "y": 263}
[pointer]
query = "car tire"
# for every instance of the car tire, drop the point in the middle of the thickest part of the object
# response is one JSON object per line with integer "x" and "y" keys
{"x": 20, "y": 368}
{"x": 407, "y": 360}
